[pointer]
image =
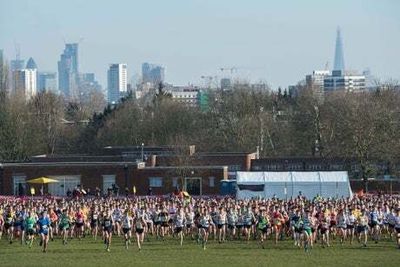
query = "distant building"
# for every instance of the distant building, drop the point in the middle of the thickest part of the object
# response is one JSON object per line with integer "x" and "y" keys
{"x": 88, "y": 77}
{"x": 340, "y": 79}
{"x": 47, "y": 82}
{"x": 188, "y": 97}
{"x": 68, "y": 71}
{"x": 116, "y": 82}
{"x": 152, "y": 73}
{"x": 226, "y": 84}
{"x": 25, "y": 82}
{"x": 315, "y": 81}
{"x": 31, "y": 64}
{"x": 87, "y": 82}
{"x": 87, "y": 86}
{"x": 339, "y": 56}
{"x": 17, "y": 64}
{"x": 370, "y": 80}
{"x": 344, "y": 81}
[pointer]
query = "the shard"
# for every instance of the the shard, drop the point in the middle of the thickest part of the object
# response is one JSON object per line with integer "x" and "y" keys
{"x": 339, "y": 58}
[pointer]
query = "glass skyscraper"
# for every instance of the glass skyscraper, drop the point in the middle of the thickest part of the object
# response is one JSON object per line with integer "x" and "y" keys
{"x": 116, "y": 82}
{"x": 68, "y": 71}
{"x": 152, "y": 73}
{"x": 339, "y": 57}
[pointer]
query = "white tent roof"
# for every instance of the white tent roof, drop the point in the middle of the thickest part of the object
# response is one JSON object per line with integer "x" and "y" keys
{"x": 334, "y": 176}
{"x": 270, "y": 177}
{"x": 288, "y": 184}
{"x": 277, "y": 177}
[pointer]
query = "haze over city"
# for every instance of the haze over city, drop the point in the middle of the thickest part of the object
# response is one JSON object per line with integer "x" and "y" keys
{"x": 277, "y": 42}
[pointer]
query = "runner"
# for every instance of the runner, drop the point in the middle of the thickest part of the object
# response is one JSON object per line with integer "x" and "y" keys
{"x": 362, "y": 227}
{"x": 397, "y": 227}
{"x": 374, "y": 224}
{"x": 126, "y": 227}
{"x": 179, "y": 222}
{"x": 94, "y": 222}
{"x": 53, "y": 223}
{"x": 297, "y": 226}
{"x": 117, "y": 214}
{"x": 307, "y": 230}
{"x": 44, "y": 225}
{"x": 262, "y": 226}
{"x": 278, "y": 220}
{"x": 189, "y": 218}
{"x": 164, "y": 218}
{"x": 140, "y": 224}
{"x": 30, "y": 225}
{"x": 342, "y": 225}
{"x": 19, "y": 225}
{"x": 248, "y": 222}
{"x": 204, "y": 225}
{"x": 9, "y": 224}
{"x": 108, "y": 223}
{"x": 64, "y": 225}
{"x": 79, "y": 223}
{"x": 351, "y": 220}
{"x": 232, "y": 222}
{"x": 324, "y": 228}
{"x": 148, "y": 218}
{"x": 221, "y": 220}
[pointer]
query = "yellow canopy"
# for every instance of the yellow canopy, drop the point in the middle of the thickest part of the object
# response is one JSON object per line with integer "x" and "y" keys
{"x": 42, "y": 180}
{"x": 185, "y": 194}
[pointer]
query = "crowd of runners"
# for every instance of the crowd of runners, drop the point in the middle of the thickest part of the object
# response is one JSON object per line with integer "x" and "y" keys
{"x": 308, "y": 222}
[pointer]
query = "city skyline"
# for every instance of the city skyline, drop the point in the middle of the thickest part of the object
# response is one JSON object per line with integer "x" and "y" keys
{"x": 278, "y": 42}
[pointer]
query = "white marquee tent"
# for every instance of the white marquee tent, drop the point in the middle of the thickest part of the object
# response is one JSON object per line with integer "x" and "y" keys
{"x": 290, "y": 184}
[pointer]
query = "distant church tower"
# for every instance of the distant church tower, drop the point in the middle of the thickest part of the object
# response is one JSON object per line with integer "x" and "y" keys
{"x": 339, "y": 58}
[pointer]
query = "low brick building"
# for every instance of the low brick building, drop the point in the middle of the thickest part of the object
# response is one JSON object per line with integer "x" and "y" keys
{"x": 235, "y": 161}
{"x": 198, "y": 180}
{"x": 89, "y": 175}
{"x": 161, "y": 168}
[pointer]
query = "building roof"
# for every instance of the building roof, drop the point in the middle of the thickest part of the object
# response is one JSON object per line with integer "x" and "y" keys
{"x": 186, "y": 167}
{"x": 31, "y": 64}
{"x": 219, "y": 154}
{"x": 69, "y": 164}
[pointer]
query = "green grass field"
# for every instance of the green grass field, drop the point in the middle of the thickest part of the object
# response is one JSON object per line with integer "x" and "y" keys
{"x": 168, "y": 253}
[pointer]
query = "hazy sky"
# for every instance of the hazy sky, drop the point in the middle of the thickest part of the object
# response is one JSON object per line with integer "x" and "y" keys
{"x": 277, "y": 41}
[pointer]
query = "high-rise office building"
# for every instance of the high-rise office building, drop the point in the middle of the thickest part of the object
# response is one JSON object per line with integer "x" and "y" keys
{"x": 31, "y": 64}
{"x": 47, "y": 82}
{"x": 88, "y": 77}
{"x": 344, "y": 81}
{"x": 116, "y": 82}
{"x": 152, "y": 73}
{"x": 88, "y": 85}
{"x": 315, "y": 81}
{"x": 339, "y": 57}
{"x": 17, "y": 64}
{"x": 340, "y": 79}
{"x": 226, "y": 84}
{"x": 68, "y": 71}
{"x": 25, "y": 82}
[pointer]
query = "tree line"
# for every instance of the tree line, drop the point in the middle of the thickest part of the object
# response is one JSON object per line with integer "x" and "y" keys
{"x": 363, "y": 125}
